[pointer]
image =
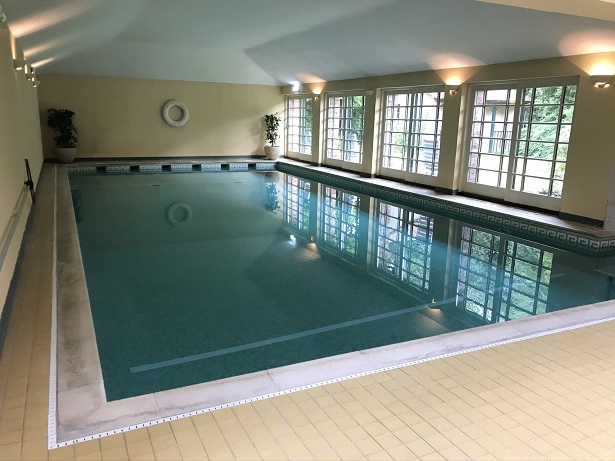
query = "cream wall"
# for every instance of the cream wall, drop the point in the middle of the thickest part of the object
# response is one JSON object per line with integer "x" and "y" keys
{"x": 590, "y": 163}
{"x": 119, "y": 117}
{"x": 19, "y": 139}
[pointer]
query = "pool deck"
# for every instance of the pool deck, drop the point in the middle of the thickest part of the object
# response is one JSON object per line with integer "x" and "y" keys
{"x": 550, "y": 396}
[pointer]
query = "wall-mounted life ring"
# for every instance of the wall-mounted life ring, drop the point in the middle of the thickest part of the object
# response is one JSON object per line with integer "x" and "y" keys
{"x": 167, "y": 108}
{"x": 175, "y": 220}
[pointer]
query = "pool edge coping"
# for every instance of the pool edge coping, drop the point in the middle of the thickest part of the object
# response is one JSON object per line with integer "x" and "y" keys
{"x": 515, "y": 334}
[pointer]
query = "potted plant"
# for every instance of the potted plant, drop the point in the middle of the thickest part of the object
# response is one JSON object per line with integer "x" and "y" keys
{"x": 271, "y": 200}
{"x": 272, "y": 123}
{"x": 61, "y": 121}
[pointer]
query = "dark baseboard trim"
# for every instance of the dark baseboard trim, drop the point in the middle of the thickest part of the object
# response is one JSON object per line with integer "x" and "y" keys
{"x": 446, "y": 191}
{"x": 581, "y": 219}
{"x": 10, "y": 298}
{"x": 311, "y": 163}
{"x": 367, "y": 175}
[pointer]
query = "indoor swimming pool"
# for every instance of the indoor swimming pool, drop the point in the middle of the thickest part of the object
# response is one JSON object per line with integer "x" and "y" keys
{"x": 197, "y": 277}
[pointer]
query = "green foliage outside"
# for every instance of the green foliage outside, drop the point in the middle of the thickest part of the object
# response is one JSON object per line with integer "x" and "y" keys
{"x": 309, "y": 117}
{"x": 523, "y": 281}
{"x": 539, "y": 125}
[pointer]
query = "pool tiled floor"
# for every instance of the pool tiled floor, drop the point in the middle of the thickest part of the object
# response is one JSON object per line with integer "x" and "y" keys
{"x": 550, "y": 397}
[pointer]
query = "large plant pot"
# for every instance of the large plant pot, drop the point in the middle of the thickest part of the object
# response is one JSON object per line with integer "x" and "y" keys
{"x": 66, "y": 154}
{"x": 272, "y": 152}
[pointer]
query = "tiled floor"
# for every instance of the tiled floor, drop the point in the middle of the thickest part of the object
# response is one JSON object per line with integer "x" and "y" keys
{"x": 545, "y": 398}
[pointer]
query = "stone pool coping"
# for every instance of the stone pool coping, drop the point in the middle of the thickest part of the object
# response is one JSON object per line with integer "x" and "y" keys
{"x": 78, "y": 400}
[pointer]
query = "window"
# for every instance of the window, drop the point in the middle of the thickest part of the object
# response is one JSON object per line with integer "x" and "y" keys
{"x": 340, "y": 211}
{"x": 297, "y": 204}
{"x": 478, "y": 286}
{"x": 519, "y": 141}
{"x": 527, "y": 274}
{"x": 403, "y": 245}
{"x": 501, "y": 279}
{"x": 411, "y": 130}
{"x": 344, "y": 129}
{"x": 299, "y": 119}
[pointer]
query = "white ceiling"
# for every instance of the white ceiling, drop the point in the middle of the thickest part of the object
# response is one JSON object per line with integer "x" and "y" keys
{"x": 275, "y": 42}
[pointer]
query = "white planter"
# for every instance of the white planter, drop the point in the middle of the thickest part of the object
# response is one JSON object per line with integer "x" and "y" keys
{"x": 272, "y": 152}
{"x": 66, "y": 154}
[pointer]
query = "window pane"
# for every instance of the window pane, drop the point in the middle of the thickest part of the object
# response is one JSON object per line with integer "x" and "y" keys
{"x": 491, "y": 134}
{"x": 411, "y": 132}
{"x": 299, "y": 124}
{"x": 542, "y": 134}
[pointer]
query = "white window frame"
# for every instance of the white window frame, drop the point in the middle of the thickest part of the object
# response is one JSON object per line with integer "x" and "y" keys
{"x": 507, "y": 193}
{"x": 406, "y": 174}
{"x": 329, "y": 129}
{"x": 305, "y": 151}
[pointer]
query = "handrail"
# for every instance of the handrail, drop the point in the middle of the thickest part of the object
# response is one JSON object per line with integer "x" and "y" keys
{"x": 30, "y": 183}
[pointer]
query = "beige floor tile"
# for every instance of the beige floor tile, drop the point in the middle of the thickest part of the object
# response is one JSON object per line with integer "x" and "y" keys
{"x": 10, "y": 452}
{"x": 387, "y": 440}
{"x": 112, "y": 441}
{"x": 328, "y": 455}
{"x": 163, "y": 441}
{"x": 368, "y": 446}
{"x": 92, "y": 456}
{"x": 169, "y": 454}
{"x": 159, "y": 429}
{"x": 192, "y": 451}
{"x": 117, "y": 453}
{"x": 60, "y": 454}
{"x": 136, "y": 436}
{"x": 139, "y": 448}
{"x": 34, "y": 450}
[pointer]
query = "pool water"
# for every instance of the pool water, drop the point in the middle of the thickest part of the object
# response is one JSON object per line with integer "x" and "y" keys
{"x": 195, "y": 277}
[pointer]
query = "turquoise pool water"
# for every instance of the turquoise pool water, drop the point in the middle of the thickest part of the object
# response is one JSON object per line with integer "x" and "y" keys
{"x": 200, "y": 276}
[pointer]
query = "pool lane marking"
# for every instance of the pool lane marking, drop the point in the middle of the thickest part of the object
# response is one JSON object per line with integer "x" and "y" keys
{"x": 279, "y": 339}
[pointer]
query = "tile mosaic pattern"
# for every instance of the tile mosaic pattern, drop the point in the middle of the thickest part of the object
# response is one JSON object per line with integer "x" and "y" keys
{"x": 266, "y": 166}
{"x": 150, "y": 168}
{"x": 211, "y": 167}
{"x": 80, "y": 169}
{"x": 181, "y": 167}
{"x": 566, "y": 239}
{"x": 238, "y": 166}
{"x": 117, "y": 168}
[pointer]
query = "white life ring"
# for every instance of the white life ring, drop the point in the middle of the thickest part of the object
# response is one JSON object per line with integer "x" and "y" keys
{"x": 179, "y": 206}
{"x": 167, "y": 108}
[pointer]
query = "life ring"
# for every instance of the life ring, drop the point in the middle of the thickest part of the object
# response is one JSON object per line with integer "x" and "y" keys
{"x": 181, "y": 221}
{"x": 167, "y": 108}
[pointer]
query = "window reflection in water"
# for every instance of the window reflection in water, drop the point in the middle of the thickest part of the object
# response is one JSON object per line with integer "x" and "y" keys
{"x": 403, "y": 245}
{"x": 340, "y": 220}
{"x": 297, "y": 204}
{"x": 473, "y": 275}
{"x": 501, "y": 279}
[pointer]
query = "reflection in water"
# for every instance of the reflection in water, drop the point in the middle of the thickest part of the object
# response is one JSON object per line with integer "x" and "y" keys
{"x": 334, "y": 272}
{"x": 500, "y": 279}
{"x": 340, "y": 218}
{"x": 486, "y": 277}
{"x": 271, "y": 198}
{"x": 403, "y": 245}
{"x": 297, "y": 203}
